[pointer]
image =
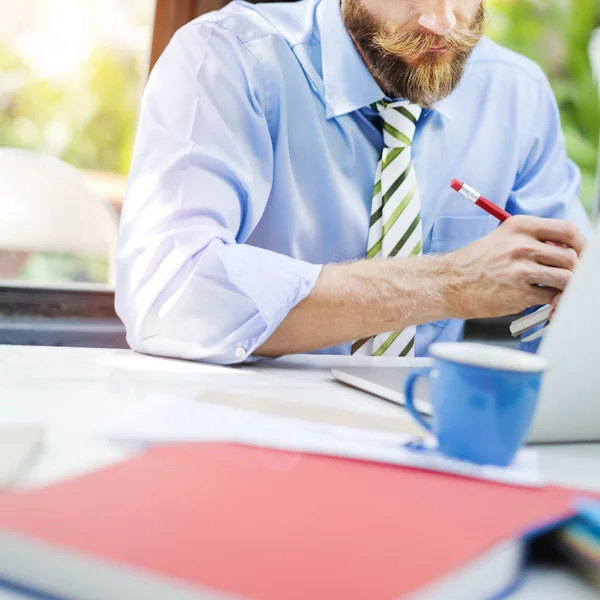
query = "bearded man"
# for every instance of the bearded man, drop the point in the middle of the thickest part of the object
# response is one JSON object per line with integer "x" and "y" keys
{"x": 289, "y": 190}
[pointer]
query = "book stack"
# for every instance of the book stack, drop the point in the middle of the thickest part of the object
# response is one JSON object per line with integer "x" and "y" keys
{"x": 578, "y": 541}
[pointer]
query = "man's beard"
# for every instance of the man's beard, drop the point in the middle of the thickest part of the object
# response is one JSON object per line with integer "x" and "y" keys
{"x": 401, "y": 61}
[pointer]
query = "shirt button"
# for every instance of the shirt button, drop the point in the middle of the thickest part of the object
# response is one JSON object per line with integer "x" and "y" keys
{"x": 240, "y": 353}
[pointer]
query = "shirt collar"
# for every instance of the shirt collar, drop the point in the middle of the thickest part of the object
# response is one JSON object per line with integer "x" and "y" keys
{"x": 446, "y": 107}
{"x": 348, "y": 84}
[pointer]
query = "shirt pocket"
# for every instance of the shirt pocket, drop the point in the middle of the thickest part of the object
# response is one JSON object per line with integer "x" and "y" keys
{"x": 451, "y": 233}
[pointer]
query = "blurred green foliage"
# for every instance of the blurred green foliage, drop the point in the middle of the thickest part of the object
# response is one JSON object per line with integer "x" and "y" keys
{"x": 87, "y": 118}
{"x": 81, "y": 268}
{"x": 556, "y": 35}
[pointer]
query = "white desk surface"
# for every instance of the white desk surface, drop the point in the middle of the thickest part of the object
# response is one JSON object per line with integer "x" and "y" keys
{"x": 67, "y": 389}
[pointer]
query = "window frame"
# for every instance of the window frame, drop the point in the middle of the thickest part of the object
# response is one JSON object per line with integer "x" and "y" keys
{"x": 170, "y": 15}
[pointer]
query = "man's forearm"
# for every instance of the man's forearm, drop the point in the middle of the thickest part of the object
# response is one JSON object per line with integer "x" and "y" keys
{"x": 510, "y": 269}
{"x": 364, "y": 298}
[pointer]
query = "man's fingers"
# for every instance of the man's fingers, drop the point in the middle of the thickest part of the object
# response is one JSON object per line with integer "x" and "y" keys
{"x": 555, "y": 256}
{"x": 551, "y": 277}
{"x": 542, "y": 295}
{"x": 550, "y": 230}
{"x": 556, "y": 300}
{"x": 561, "y": 232}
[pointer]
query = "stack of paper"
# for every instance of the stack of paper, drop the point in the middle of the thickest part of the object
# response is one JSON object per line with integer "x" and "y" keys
{"x": 18, "y": 446}
{"x": 269, "y": 423}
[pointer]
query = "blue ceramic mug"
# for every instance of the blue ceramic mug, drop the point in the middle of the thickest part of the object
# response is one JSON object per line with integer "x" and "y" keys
{"x": 483, "y": 399}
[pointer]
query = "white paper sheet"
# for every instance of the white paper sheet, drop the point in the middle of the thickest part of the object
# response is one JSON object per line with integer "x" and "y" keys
{"x": 191, "y": 421}
{"x": 18, "y": 445}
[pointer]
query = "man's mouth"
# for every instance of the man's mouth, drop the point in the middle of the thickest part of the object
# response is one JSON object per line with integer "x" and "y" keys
{"x": 437, "y": 49}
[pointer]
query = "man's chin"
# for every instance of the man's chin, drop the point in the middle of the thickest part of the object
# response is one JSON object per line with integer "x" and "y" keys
{"x": 424, "y": 80}
{"x": 431, "y": 58}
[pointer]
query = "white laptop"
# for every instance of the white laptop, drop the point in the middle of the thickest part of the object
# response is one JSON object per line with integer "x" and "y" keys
{"x": 569, "y": 404}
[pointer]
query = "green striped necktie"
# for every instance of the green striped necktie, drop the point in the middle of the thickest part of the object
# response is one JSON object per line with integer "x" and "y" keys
{"x": 395, "y": 227}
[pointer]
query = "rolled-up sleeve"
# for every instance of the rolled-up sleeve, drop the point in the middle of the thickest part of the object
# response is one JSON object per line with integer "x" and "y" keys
{"x": 548, "y": 182}
{"x": 187, "y": 284}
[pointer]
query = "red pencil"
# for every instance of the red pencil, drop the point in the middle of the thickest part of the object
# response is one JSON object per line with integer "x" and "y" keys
{"x": 474, "y": 196}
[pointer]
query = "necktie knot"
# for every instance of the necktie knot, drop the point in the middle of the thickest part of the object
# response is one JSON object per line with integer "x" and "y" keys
{"x": 399, "y": 121}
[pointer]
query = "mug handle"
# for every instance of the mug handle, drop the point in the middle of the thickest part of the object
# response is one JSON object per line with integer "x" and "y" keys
{"x": 408, "y": 394}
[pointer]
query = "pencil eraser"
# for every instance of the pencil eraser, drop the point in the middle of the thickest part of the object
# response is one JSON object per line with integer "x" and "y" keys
{"x": 456, "y": 185}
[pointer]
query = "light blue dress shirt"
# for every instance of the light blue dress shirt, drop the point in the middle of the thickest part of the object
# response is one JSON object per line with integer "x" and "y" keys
{"x": 254, "y": 166}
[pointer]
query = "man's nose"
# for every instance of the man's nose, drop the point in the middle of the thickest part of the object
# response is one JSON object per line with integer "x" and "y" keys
{"x": 439, "y": 17}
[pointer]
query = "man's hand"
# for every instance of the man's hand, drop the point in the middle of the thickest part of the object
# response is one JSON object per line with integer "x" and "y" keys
{"x": 513, "y": 268}
{"x": 555, "y": 302}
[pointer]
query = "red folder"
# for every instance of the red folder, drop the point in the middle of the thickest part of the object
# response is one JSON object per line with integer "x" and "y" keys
{"x": 256, "y": 523}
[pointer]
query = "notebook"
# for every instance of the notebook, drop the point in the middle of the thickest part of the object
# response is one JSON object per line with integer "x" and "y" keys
{"x": 228, "y": 521}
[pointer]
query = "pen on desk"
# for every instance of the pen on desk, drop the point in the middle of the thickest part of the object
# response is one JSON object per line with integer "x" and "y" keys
{"x": 470, "y": 194}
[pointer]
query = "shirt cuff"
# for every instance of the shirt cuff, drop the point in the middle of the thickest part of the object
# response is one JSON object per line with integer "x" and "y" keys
{"x": 275, "y": 284}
